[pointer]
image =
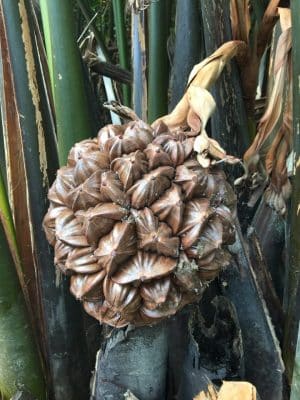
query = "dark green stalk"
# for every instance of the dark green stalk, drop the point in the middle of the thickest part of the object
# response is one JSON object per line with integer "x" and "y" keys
{"x": 70, "y": 100}
{"x": 2, "y": 150}
{"x": 64, "y": 335}
{"x": 19, "y": 362}
{"x": 88, "y": 16}
{"x": 158, "y": 60}
{"x": 15, "y": 216}
{"x": 262, "y": 364}
{"x": 7, "y": 223}
{"x": 293, "y": 287}
{"x": 47, "y": 103}
{"x": 259, "y": 7}
{"x": 229, "y": 122}
{"x": 139, "y": 63}
{"x": 119, "y": 17}
{"x": 295, "y": 389}
{"x": 189, "y": 46}
{"x": 103, "y": 56}
{"x": 112, "y": 71}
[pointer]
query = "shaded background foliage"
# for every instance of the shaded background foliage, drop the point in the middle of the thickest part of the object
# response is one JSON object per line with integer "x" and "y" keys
{"x": 81, "y": 55}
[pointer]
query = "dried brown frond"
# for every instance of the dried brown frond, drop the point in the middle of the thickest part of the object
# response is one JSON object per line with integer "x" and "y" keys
{"x": 261, "y": 35}
{"x": 229, "y": 391}
{"x": 265, "y": 160}
{"x": 266, "y": 26}
{"x": 240, "y": 20}
{"x": 272, "y": 118}
{"x": 202, "y": 76}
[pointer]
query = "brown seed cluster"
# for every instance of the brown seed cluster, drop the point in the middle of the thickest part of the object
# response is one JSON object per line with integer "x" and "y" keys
{"x": 139, "y": 225}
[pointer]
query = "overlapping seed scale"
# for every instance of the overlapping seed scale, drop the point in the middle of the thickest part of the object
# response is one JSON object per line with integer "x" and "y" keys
{"x": 69, "y": 229}
{"x": 138, "y": 224}
{"x": 211, "y": 239}
{"x": 148, "y": 189}
{"x": 170, "y": 208}
{"x": 139, "y": 131}
{"x": 82, "y": 260}
{"x": 109, "y": 132}
{"x": 64, "y": 183}
{"x": 99, "y": 221}
{"x": 161, "y": 129}
{"x": 111, "y": 189}
{"x": 154, "y": 235}
{"x": 205, "y": 182}
{"x": 187, "y": 274}
{"x": 105, "y": 314}
{"x": 49, "y": 222}
{"x": 211, "y": 270}
{"x": 156, "y": 156}
{"x": 155, "y": 293}
{"x": 119, "y": 145}
{"x": 224, "y": 194}
{"x": 227, "y": 220}
{"x": 88, "y": 287}
{"x": 85, "y": 195}
{"x": 116, "y": 247}
{"x": 61, "y": 251}
{"x": 88, "y": 145}
{"x": 169, "y": 307}
{"x": 143, "y": 267}
{"x": 197, "y": 182}
{"x": 124, "y": 299}
{"x": 136, "y": 136}
{"x": 130, "y": 168}
{"x": 196, "y": 215}
{"x": 53, "y": 197}
{"x": 90, "y": 162}
{"x": 178, "y": 147}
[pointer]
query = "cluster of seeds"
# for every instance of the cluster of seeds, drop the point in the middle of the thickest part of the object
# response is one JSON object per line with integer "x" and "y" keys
{"x": 139, "y": 225}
